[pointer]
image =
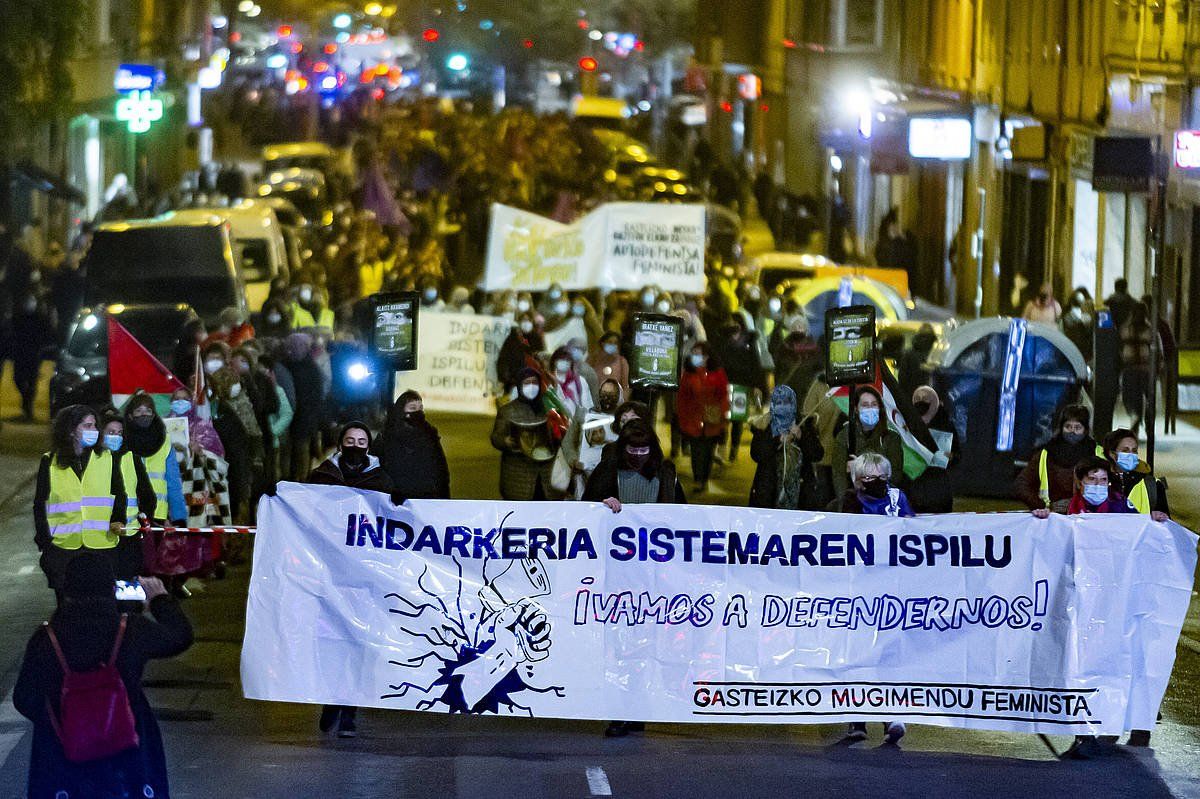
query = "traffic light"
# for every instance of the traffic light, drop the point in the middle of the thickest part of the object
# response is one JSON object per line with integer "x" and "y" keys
{"x": 430, "y": 34}
{"x": 587, "y": 64}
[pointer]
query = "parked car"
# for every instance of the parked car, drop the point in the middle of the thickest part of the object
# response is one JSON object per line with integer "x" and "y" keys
{"x": 164, "y": 260}
{"x": 81, "y": 371}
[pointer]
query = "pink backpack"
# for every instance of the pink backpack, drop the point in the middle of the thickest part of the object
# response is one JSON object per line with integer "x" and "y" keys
{"x": 95, "y": 719}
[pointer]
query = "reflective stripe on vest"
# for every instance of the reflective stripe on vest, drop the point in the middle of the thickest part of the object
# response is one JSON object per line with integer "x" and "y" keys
{"x": 129, "y": 476}
{"x": 156, "y": 470}
{"x": 1044, "y": 477}
{"x": 79, "y": 511}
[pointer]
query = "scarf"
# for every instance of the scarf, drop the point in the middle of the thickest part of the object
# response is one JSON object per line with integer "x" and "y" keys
{"x": 783, "y": 410}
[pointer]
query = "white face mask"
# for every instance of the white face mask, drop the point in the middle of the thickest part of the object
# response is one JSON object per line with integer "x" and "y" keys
{"x": 274, "y": 318}
{"x": 522, "y": 305}
{"x": 212, "y": 365}
{"x": 561, "y": 308}
{"x": 530, "y": 391}
{"x": 697, "y": 359}
{"x": 664, "y": 306}
{"x": 235, "y": 390}
{"x": 577, "y": 354}
{"x": 611, "y": 349}
{"x": 562, "y": 367}
{"x": 306, "y": 295}
{"x": 555, "y": 293}
{"x": 527, "y": 327}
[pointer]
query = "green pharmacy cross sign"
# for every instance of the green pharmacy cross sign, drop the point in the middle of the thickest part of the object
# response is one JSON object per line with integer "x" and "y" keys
{"x": 139, "y": 110}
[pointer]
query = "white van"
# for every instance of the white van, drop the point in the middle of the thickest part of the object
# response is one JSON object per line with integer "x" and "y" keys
{"x": 259, "y": 249}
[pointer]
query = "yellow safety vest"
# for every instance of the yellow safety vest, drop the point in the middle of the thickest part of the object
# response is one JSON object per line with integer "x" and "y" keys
{"x": 302, "y": 318}
{"x": 1044, "y": 476}
{"x": 1139, "y": 497}
{"x": 156, "y": 470}
{"x": 129, "y": 477}
{"x": 79, "y": 511}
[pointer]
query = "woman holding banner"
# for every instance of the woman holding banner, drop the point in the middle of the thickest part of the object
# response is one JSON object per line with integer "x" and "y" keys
{"x": 354, "y": 467}
{"x": 522, "y": 435}
{"x": 871, "y": 434}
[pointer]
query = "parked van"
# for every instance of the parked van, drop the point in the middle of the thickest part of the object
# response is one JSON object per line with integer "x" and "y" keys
{"x": 164, "y": 260}
{"x": 259, "y": 249}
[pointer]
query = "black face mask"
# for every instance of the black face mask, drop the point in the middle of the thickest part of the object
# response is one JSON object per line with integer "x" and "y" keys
{"x": 415, "y": 417}
{"x": 142, "y": 422}
{"x": 922, "y": 407}
{"x": 607, "y": 403}
{"x": 354, "y": 458}
{"x": 876, "y": 488}
{"x": 636, "y": 462}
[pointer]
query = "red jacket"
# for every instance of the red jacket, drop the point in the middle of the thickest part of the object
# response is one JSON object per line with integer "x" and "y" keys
{"x": 700, "y": 389}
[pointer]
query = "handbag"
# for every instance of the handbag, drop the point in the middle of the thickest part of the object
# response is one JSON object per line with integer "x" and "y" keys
{"x": 561, "y": 472}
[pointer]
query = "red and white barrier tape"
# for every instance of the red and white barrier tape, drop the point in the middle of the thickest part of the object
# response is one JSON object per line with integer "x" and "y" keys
{"x": 202, "y": 530}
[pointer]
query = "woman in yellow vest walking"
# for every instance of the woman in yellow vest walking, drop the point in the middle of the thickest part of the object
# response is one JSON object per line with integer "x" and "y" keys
{"x": 79, "y": 503}
{"x": 139, "y": 494}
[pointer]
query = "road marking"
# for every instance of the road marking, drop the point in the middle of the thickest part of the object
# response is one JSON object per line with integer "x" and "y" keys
{"x": 598, "y": 781}
{"x": 8, "y": 742}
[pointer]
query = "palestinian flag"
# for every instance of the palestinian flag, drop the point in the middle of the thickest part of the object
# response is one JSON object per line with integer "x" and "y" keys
{"x": 919, "y": 446}
{"x": 131, "y": 367}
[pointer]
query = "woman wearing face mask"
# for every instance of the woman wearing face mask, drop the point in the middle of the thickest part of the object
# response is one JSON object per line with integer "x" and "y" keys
{"x": 146, "y": 437}
{"x": 521, "y": 435}
{"x": 738, "y": 351}
{"x": 519, "y": 351}
{"x": 701, "y": 406}
{"x": 933, "y": 491}
{"x": 309, "y": 386}
{"x": 430, "y": 301}
{"x": 233, "y": 418}
{"x": 273, "y": 320}
{"x": 1132, "y": 478}
{"x": 609, "y": 363}
{"x": 638, "y": 474}
{"x": 785, "y": 450}
{"x": 578, "y": 348}
{"x": 139, "y": 496}
{"x": 259, "y": 386}
{"x": 873, "y": 495}
{"x": 79, "y": 499}
{"x": 1048, "y": 480}
{"x": 310, "y": 309}
{"x": 214, "y": 356}
{"x": 581, "y": 308}
{"x": 871, "y": 434}
{"x": 571, "y": 390}
{"x": 1078, "y": 321}
{"x": 554, "y": 304}
{"x": 354, "y": 467}
{"x": 411, "y": 452}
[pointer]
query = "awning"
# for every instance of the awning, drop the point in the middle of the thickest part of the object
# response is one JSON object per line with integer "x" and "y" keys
{"x": 38, "y": 179}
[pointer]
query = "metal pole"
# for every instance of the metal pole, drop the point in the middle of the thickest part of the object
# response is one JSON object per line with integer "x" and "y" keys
{"x": 1157, "y": 239}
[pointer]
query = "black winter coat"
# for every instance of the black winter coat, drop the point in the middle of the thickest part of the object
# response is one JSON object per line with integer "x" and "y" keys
{"x": 372, "y": 478}
{"x": 309, "y": 384}
{"x": 765, "y": 450}
{"x": 86, "y": 632}
{"x": 602, "y": 483}
{"x": 413, "y": 458}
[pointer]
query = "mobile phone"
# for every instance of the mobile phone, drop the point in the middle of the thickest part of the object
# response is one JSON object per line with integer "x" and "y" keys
{"x": 130, "y": 591}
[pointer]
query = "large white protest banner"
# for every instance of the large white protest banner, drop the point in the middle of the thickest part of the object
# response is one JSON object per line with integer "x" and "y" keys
{"x": 456, "y": 362}
{"x": 714, "y": 614}
{"x": 618, "y": 246}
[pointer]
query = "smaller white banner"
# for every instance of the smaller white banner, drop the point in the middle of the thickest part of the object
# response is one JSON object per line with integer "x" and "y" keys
{"x": 456, "y": 362}
{"x": 617, "y": 247}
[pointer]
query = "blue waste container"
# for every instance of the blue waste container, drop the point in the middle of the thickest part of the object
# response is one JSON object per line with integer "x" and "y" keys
{"x": 967, "y": 370}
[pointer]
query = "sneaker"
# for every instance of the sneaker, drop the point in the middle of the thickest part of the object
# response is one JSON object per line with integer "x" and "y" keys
{"x": 346, "y": 726}
{"x": 895, "y": 731}
{"x": 329, "y": 717}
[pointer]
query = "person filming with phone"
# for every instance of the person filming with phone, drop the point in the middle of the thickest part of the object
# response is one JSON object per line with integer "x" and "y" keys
{"x": 94, "y": 733}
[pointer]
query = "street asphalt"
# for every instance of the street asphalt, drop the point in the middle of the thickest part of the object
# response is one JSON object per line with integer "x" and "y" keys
{"x": 221, "y": 745}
